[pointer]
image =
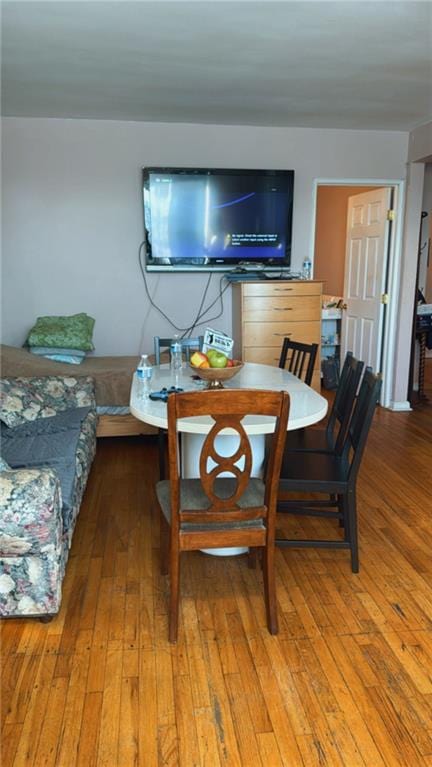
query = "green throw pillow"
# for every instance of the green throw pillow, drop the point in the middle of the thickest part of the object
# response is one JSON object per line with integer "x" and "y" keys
{"x": 74, "y": 332}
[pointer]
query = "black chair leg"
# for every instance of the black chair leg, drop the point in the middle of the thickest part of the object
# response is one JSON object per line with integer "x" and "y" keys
{"x": 339, "y": 501}
{"x": 351, "y": 516}
{"x": 344, "y": 522}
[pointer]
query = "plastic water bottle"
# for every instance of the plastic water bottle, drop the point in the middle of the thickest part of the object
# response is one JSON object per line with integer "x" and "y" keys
{"x": 307, "y": 269}
{"x": 176, "y": 354}
{"x": 144, "y": 374}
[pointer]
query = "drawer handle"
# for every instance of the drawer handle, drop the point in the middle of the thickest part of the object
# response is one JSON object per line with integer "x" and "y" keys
{"x": 282, "y": 334}
{"x": 282, "y": 290}
{"x": 282, "y": 308}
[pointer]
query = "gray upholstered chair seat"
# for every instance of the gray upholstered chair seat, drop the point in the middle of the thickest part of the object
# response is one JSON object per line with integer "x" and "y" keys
{"x": 192, "y": 497}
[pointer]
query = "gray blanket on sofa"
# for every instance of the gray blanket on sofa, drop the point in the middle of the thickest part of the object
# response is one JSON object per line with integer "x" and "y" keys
{"x": 50, "y": 442}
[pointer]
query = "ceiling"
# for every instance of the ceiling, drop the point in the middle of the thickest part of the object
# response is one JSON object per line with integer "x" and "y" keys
{"x": 364, "y": 65}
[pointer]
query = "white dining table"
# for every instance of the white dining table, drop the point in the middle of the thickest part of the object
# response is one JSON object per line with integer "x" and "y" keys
{"x": 306, "y": 407}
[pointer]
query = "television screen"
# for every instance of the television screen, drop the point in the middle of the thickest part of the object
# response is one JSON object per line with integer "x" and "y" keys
{"x": 217, "y": 219}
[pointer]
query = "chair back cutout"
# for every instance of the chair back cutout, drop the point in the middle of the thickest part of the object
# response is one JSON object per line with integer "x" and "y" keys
{"x": 225, "y": 464}
{"x": 227, "y": 408}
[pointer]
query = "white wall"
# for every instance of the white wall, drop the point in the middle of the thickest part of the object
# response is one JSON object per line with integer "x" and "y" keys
{"x": 420, "y": 143}
{"x": 72, "y": 212}
{"x": 407, "y": 292}
{"x": 425, "y": 273}
{"x": 419, "y": 151}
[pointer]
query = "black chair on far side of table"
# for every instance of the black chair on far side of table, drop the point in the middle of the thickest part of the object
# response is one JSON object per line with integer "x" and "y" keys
{"x": 299, "y": 359}
{"x": 215, "y": 511}
{"x": 189, "y": 345}
{"x": 331, "y": 439}
{"x": 332, "y": 475}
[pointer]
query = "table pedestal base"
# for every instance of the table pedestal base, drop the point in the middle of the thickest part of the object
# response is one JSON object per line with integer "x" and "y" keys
{"x": 233, "y": 551}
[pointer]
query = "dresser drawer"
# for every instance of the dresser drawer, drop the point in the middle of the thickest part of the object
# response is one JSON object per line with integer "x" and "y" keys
{"x": 268, "y": 355}
{"x": 284, "y": 289}
{"x": 273, "y": 333}
{"x": 316, "y": 380}
{"x": 265, "y": 312}
{"x": 279, "y": 309}
{"x": 264, "y": 355}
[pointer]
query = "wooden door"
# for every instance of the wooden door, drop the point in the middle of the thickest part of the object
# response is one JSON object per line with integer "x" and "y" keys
{"x": 365, "y": 275}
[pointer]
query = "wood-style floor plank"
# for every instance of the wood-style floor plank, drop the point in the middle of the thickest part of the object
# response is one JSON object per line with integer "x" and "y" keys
{"x": 347, "y": 681}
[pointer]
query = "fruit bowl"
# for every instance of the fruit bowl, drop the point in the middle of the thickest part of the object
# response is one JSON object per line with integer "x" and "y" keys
{"x": 216, "y": 376}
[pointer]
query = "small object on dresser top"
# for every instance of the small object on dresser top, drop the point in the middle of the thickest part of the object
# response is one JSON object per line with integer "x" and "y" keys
{"x": 307, "y": 269}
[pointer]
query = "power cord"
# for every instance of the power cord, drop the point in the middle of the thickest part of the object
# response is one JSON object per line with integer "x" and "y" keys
{"x": 189, "y": 332}
{"x": 218, "y": 297}
{"x": 201, "y": 312}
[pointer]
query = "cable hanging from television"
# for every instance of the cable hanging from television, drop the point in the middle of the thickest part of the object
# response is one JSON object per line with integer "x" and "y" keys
{"x": 201, "y": 313}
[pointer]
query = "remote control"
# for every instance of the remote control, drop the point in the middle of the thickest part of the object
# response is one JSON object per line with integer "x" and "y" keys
{"x": 163, "y": 394}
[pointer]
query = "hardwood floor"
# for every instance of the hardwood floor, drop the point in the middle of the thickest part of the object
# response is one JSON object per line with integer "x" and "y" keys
{"x": 347, "y": 681}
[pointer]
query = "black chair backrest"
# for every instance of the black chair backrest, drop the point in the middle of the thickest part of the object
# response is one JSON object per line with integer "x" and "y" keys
{"x": 361, "y": 420}
{"x": 189, "y": 345}
{"x": 302, "y": 360}
{"x": 344, "y": 399}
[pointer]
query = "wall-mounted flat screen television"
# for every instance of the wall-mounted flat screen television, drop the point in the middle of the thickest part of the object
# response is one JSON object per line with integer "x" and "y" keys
{"x": 200, "y": 219}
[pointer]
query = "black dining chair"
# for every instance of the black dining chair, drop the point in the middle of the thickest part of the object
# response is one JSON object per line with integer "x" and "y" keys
{"x": 331, "y": 439}
{"x": 188, "y": 345}
{"x": 299, "y": 359}
{"x": 332, "y": 475}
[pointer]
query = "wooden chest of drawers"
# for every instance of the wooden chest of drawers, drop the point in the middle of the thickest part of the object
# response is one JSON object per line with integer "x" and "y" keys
{"x": 266, "y": 311}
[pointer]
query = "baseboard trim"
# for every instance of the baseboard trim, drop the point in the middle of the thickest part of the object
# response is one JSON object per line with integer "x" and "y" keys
{"x": 400, "y": 407}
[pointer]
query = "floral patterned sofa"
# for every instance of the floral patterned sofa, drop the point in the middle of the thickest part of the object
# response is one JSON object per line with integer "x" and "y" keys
{"x": 48, "y": 441}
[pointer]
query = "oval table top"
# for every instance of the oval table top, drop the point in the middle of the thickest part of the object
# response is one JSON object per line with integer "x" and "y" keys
{"x": 307, "y": 406}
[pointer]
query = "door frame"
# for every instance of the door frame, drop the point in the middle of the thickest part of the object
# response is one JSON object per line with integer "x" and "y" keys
{"x": 394, "y": 266}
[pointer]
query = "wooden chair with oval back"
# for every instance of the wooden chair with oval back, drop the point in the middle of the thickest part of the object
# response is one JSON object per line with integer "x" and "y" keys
{"x": 216, "y": 510}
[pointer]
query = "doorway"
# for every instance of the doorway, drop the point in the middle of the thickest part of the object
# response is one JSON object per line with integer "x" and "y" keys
{"x": 329, "y": 250}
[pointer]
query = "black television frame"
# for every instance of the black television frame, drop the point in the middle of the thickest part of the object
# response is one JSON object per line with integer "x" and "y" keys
{"x": 231, "y": 265}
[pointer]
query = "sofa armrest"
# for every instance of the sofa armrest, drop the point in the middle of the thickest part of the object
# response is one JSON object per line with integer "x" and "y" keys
{"x": 30, "y": 512}
{"x": 24, "y": 399}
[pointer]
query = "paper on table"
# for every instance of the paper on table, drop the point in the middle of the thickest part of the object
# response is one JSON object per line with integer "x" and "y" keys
{"x": 215, "y": 339}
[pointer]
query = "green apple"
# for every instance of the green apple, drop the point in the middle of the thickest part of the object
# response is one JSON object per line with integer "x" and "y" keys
{"x": 217, "y": 359}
